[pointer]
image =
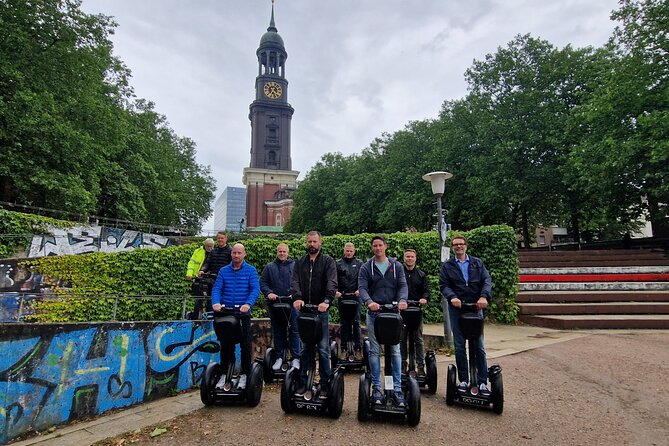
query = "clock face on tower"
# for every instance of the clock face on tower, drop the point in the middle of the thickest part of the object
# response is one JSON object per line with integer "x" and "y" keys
{"x": 272, "y": 90}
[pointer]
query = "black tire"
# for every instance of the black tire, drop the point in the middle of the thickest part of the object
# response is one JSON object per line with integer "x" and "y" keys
{"x": 334, "y": 354}
{"x": 287, "y": 391}
{"x": 431, "y": 379}
{"x": 336, "y": 400}
{"x": 366, "y": 348}
{"x": 413, "y": 400}
{"x": 363, "y": 398}
{"x": 211, "y": 376}
{"x": 497, "y": 393}
{"x": 254, "y": 385}
{"x": 450, "y": 384}
{"x": 267, "y": 372}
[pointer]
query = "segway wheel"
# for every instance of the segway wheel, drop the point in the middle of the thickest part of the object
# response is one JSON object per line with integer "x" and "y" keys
{"x": 413, "y": 400}
{"x": 334, "y": 354}
{"x": 254, "y": 385}
{"x": 431, "y": 365}
{"x": 363, "y": 398}
{"x": 450, "y": 384}
{"x": 211, "y": 376}
{"x": 267, "y": 372}
{"x": 497, "y": 393}
{"x": 287, "y": 391}
{"x": 336, "y": 400}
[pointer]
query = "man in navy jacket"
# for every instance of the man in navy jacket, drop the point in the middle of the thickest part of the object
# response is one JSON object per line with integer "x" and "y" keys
{"x": 464, "y": 278}
{"x": 275, "y": 282}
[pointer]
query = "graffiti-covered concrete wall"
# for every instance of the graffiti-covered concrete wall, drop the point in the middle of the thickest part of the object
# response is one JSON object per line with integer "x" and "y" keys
{"x": 86, "y": 239}
{"x": 51, "y": 374}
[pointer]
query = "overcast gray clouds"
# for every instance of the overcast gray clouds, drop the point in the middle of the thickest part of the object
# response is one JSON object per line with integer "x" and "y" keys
{"x": 356, "y": 68}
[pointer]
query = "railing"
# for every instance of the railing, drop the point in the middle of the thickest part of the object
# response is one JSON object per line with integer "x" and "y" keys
{"x": 27, "y": 306}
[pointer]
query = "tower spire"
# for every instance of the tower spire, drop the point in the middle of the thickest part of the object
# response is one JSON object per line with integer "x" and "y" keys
{"x": 272, "y": 26}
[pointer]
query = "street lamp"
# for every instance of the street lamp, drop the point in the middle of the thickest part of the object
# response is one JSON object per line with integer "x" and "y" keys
{"x": 438, "y": 182}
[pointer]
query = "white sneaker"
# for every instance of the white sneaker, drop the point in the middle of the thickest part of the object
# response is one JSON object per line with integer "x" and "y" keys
{"x": 220, "y": 383}
{"x": 277, "y": 364}
{"x": 295, "y": 364}
{"x": 242, "y": 382}
{"x": 484, "y": 389}
{"x": 463, "y": 386}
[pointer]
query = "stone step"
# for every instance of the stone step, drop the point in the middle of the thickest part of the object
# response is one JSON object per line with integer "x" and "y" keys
{"x": 599, "y": 321}
{"x": 592, "y": 296}
{"x": 594, "y": 253}
{"x": 527, "y": 278}
{"x": 598, "y": 308}
{"x": 592, "y": 286}
{"x": 591, "y": 262}
{"x": 598, "y": 270}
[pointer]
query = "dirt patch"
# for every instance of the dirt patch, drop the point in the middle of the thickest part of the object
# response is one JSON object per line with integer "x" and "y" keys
{"x": 600, "y": 389}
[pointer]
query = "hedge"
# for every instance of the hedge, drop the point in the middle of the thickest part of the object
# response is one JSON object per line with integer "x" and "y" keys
{"x": 158, "y": 274}
{"x": 17, "y": 228}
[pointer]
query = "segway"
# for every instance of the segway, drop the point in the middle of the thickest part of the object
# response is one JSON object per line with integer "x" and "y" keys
{"x": 388, "y": 330}
{"x": 202, "y": 308}
{"x": 348, "y": 310}
{"x": 282, "y": 307}
{"x": 412, "y": 317}
{"x": 311, "y": 332}
{"x": 229, "y": 328}
{"x": 471, "y": 327}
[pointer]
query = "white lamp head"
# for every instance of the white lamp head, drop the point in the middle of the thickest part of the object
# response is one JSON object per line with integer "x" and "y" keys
{"x": 437, "y": 181}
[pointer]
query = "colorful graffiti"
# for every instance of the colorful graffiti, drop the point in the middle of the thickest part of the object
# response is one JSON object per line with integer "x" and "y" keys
{"x": 86, "y": 239}
{"x": 52, "y": 374}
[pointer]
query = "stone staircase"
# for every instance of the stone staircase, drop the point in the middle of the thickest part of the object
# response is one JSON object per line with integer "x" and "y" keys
{"x": 623, "y": 288}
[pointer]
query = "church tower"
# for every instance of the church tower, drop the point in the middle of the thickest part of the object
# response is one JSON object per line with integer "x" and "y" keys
{"x": 269, "y": 179}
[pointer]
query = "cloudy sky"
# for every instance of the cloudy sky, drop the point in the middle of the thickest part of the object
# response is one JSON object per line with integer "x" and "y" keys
{"x": 356, "y": 68}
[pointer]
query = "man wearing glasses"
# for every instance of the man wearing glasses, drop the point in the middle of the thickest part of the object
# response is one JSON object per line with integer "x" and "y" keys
{"x": 464, "y": 278}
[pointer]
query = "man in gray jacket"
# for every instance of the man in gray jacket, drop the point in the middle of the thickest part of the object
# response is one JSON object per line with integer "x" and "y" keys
{"x": 381, "y": 281}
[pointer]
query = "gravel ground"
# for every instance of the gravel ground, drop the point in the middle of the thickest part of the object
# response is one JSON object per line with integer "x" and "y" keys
{"x": 602, "y": 389}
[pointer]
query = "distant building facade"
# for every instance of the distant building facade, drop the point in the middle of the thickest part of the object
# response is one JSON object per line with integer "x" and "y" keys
{"x": 230, "y": 210}
{"x": 269, "y": 179}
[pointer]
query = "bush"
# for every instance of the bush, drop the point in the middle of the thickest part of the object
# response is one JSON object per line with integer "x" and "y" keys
{"x": 160, "y": 272}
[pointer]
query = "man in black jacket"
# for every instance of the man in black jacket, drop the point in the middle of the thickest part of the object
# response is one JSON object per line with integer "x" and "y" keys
{"x": 418, "y": 291}
{"x": 464, "y": 278}
{"x": 348, "y": 268}
{"x": 314, "y": 281}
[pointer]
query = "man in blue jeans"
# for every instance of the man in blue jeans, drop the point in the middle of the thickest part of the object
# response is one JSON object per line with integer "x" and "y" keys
{"x": 464, "y": 278}
{"x": 381, "y": 281}
{"x": 314, "y": 281}
{"x": 275, "y": 282}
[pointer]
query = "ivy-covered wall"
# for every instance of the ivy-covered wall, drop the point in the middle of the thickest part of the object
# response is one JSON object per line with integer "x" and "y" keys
{"x": 159, "y": 274}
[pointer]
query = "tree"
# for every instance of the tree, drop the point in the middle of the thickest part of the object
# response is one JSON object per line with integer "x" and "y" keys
{"x": 624, "y": 155}
{"x": 72, "y": 135}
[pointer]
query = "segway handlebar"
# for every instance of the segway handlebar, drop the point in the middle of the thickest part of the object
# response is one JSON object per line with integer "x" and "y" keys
{"x": 469, "y": 307}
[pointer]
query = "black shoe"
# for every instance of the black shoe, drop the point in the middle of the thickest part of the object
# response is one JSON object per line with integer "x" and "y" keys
{"x": 398, "y": 399}
{"x": 300, "y": 391}
{"x": 420, "y": 371}
{"x": 377, "y": 397}
{"x": 324, "y": 393}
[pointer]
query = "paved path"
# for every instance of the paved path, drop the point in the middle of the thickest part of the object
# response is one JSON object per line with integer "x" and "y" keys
{"x": 500, "y": 341}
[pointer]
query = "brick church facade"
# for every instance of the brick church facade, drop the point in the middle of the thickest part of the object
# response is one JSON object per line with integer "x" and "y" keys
{"x": 269, "y": 179}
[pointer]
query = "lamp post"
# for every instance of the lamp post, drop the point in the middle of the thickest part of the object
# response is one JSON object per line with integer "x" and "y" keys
{"x": 438, "y": 182}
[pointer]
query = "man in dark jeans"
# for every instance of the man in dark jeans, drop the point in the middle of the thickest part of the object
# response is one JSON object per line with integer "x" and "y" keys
{"x": 418, "y": 291}
{"x": 275, "y": 282}
{"x": 219, "y": 257}
{"x": 314, "y": 282}
{"x": 236, "y": 284}
{"x": 348, "y": 268}
{"x": 464, "y": 278}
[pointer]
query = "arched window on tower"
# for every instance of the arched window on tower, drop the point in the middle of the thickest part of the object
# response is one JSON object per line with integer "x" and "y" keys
{"x": 278, "y": 220}
{"x": 271, "y": 160}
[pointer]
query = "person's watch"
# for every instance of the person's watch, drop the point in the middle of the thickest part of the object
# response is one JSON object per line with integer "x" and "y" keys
{"x": 327, "y": 301}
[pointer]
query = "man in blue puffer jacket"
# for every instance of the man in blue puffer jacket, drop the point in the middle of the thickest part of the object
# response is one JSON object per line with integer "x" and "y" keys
{"x": 236, "y": 284}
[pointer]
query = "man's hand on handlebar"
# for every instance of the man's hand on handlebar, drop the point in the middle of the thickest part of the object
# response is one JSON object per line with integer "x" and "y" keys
{"x": 422, "y": 301}
{"x": 402, "y": 305}
{"x": 298, "y": 304}
{"x": 272, "y": 296}
{"x": 337, "y": 294}
{"x": 323, "y": 307}
{"x": 245, "y": 308}
{"x": 457, "y": 303}
{"x": 481, "y": 303}
{"x": 216, "y": 307}
{"x": 373, "y": 306}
